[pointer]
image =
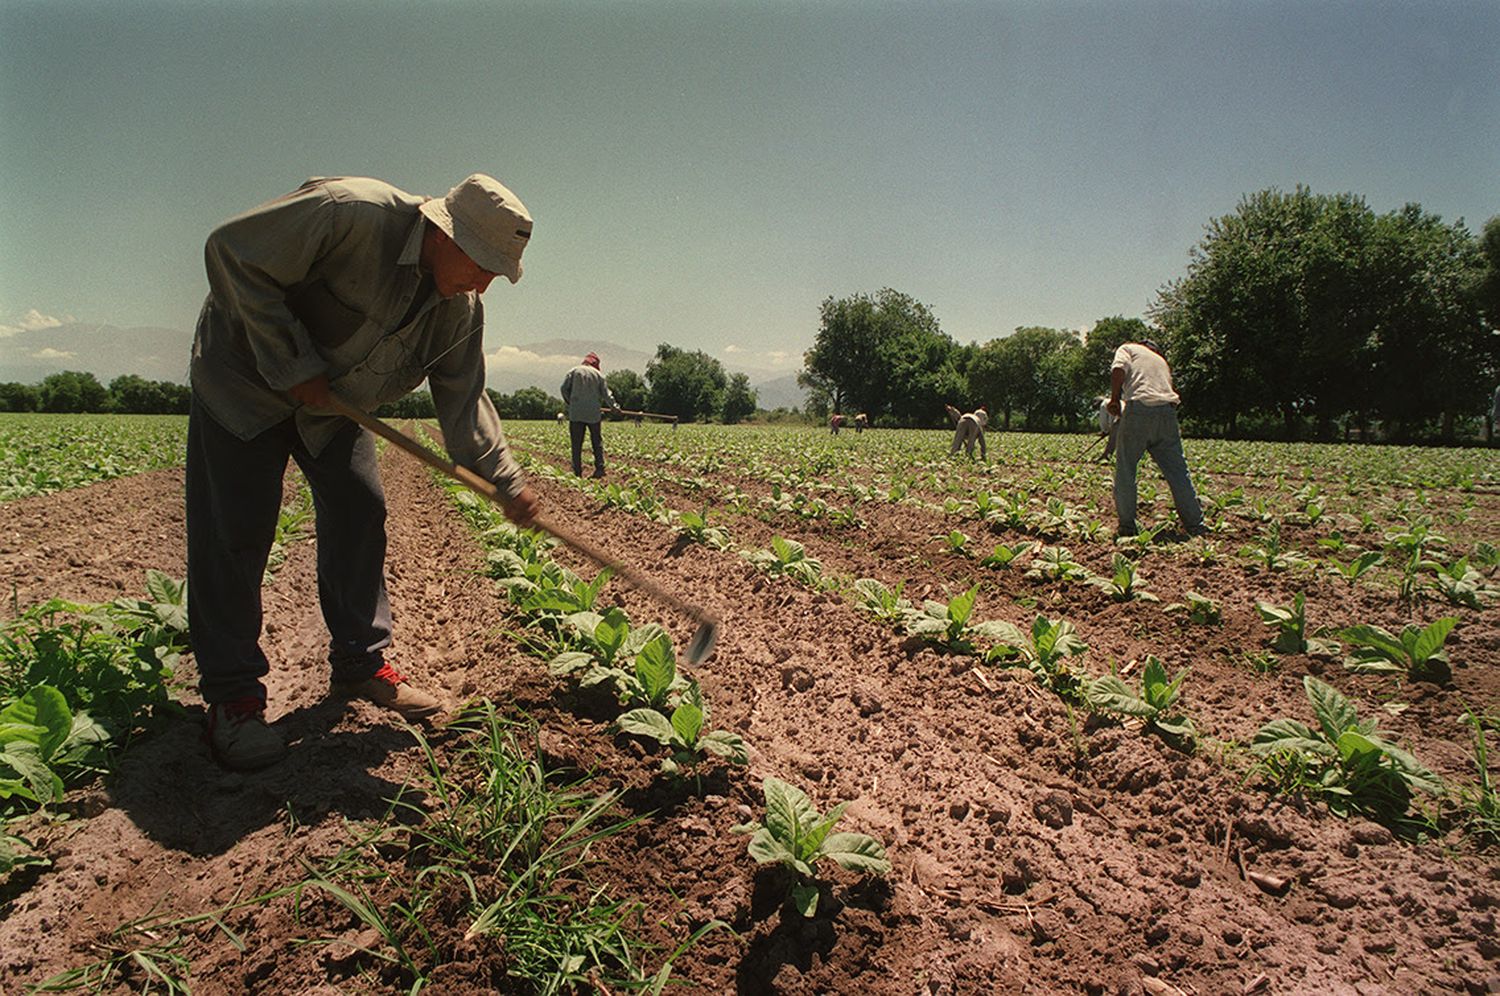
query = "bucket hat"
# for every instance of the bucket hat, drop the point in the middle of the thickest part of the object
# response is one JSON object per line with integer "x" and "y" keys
{"x": 489, "y": 223}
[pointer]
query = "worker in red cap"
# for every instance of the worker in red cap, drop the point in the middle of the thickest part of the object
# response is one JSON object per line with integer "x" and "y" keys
{"x": 586, "y": 394}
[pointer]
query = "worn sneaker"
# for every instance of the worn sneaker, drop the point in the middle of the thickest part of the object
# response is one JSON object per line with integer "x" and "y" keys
{"x": 239, "y": 736}
{"x": 1199, "y": 530}
{"x": 389, "y": 688}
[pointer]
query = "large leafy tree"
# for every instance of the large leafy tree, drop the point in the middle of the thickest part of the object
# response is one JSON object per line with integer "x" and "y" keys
{"x": 1309, "y": 305}
{"x": 1030, "y": 371}
{"x": 688, "y": 385}
{"x": 628, "y": 387}
{"x": 1433, "y": 355}
{"x": 71, "y": 391}
{"x": 133, "y": 394}
{"x": 883, "y": 354}
{"x": 739, "y": 399}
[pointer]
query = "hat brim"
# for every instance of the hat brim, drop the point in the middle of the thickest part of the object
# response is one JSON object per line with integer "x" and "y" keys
{"x": 474, "y": 247}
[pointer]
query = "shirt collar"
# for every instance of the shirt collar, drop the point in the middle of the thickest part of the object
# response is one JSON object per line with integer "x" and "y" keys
{"x": 411, "y": 253}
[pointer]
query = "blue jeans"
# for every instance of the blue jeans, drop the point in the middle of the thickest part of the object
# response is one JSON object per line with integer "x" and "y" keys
{"x": 233, "y": 503}
{"x": 1153, "y": 429}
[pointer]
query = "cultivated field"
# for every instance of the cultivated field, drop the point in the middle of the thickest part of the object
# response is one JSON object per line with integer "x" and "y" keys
{"x": 959, "y": 651}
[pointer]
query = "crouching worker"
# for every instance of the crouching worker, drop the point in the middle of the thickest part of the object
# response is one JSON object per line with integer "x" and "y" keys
{"x": 352, "y": 288}
{"x": 969, "y": 429}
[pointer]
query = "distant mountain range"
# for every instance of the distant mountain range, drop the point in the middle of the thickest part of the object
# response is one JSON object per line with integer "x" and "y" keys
{"x": 108, "y": 351}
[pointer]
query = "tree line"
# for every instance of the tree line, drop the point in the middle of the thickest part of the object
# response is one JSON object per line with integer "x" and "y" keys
{"x": 689, "y": 384}
{"x": 1298, "y": 314}
{"x": 71, "y": 391}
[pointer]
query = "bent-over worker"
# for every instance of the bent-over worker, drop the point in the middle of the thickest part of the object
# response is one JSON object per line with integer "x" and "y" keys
{"x": 346, "y": 286}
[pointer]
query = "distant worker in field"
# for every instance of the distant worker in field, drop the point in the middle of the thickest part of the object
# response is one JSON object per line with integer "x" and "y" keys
{"x": 968, "y": 429}
{"x": 1141, "y": 381}
{"x": 861, "y": 422}
{"x": 586, "y": 394}
{"x": 1109, "y": 427}
{"x": 835, "y": 423}
{"x": 344, "y": 287}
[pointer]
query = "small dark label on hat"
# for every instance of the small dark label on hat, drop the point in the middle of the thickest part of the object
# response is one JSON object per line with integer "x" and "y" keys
{"x": 521, "y": 232}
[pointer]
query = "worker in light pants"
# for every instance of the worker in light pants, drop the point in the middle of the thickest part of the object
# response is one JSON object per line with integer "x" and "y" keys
{"x": 1141, "y": 381}
{"x": 969, "y": 429}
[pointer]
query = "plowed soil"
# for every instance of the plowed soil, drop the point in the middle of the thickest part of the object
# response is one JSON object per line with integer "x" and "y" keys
{"x": 1035, "y": 849}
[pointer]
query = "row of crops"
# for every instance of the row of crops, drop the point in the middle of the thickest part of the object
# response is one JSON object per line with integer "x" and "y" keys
{"x": 1393, "y": 547}
{"x": 40, "y": 454}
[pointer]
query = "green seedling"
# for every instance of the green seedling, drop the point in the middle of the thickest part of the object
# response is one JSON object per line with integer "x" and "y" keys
{"x": 1418, "y": 653}
{"x": 1004, "y": 556}
{"x": 1344, "y": 760}
{"x": 694, "y": 527}
{"x": 955, "y": 541}
{"x": 684, "y": 733}
{"x": 1121, "y": 585}
{"x": 1044, "y": 652}
{"x": 882, "y": 602}
{"x": 788, "y": 558}
{"x": 1461, "y": 584}
{"x": 1291, "y": 629}
{"x": 1056, "y": 563}
{"x": 948, "y": 624}
{"x": 1200, "y": 609}
{"x": 1356, "y": 568}
{"x": 796, "y": 837}
{"x": 1154, "y": 701}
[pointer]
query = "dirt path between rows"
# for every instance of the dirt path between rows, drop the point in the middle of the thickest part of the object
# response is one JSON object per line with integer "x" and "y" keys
{"x": 1033, "y": 851}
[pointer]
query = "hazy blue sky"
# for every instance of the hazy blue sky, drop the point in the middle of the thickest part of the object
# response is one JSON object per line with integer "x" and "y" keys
{"x": 706, "y": 174}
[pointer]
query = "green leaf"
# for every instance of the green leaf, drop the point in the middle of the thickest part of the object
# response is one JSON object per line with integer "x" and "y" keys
{"x": 857, "y": 852}
{"x": 788, "y": 811}
{"x": 1110, "y": 694}
{"x": 723, "y": 743}
{"x": 805, "y": 898}
{"x": 43, "y": 707}
{"x": 656, "y": 667}
{"x": 687, "y": 720}
{"x": 1430, "y": 643}
{"x": 1288, "y": 734}
{"x": 646, "y": 723}
{"x": 569, "y": 662}
{"x": 962, "y": 606}
{"x": 25, "y": 759}
{"x": 1335, "y": 713}
{"x": 1378, "y": 641}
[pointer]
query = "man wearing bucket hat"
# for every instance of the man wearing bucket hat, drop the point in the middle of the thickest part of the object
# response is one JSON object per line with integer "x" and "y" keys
{"x": 586, "y": 393}
{"x": 346, "y": 286}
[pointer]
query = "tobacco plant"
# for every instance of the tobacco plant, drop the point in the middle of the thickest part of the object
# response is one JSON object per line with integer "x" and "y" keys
{"x": 695, "y": 528}
{"x": 1356, "y": 568}
{"x": 1461, "y": 584}
{"x": 795, "y": 836}
{"x": 1418, "y": 653}
{"x": 882, "y": 602}
{"x": 788, "y": 558}
{"x": 1291, "y": 628}
{"x": 1121, "y": 584}
{"x": 1154, "y": 701}
{"x": 948, "y": 623}
{"x": 684, "y": 733}
{"x": 1344, "y": 761}
{"x": 1056, "y": 563}
{"x": 1004, "y": 556}
{"x": 1043, "y": 652}
{"x": 1200, "y": 609}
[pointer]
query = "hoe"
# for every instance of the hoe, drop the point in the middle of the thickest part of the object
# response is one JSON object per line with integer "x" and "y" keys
{"x": 702, "y": 643}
